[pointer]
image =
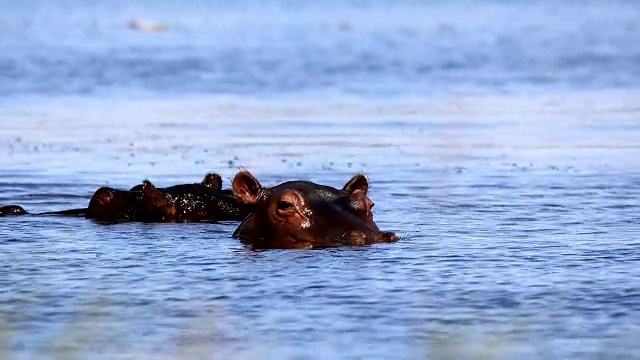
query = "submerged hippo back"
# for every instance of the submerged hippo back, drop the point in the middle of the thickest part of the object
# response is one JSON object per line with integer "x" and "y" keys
{"x": 206, "y": 205}
{"x": 194, "y": 204}
{"x": 211, "y": 181}
{"x": 12, "y": 210}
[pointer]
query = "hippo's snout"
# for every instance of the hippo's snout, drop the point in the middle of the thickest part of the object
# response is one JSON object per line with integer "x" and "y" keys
{"x": 359, "y": 238}
{"x": 389, "y": 236}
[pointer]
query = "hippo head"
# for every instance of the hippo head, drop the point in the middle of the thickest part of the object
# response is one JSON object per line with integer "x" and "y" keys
{"x": 109, "y": 204}
{"x": 113, "y": 205}
{"x": 302, "y": 214}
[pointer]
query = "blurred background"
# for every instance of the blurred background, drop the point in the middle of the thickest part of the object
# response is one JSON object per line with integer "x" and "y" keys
{"x": 316, "y": 49}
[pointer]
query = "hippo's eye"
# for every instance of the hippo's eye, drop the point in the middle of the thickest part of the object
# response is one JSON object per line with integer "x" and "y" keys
{"x": 284, "y": 205}
{"x": 372, "y": 204}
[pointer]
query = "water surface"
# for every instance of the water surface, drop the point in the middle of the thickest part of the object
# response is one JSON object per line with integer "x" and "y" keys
{"x": 500, "y": 141}
{"x": 321, "y": 49}
{"x": 508, "y": 235}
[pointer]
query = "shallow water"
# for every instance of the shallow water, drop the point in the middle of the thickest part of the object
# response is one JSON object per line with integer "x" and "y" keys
{"x": 500, "y": 141}
{"x": 523, "y": 237}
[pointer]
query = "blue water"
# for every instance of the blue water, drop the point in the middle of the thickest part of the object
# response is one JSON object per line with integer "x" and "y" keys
{"x": 315, "y": 49}
{"x": 500, "y": 140}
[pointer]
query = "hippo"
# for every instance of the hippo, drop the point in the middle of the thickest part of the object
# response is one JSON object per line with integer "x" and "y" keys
{"x": 199, "y": 204}
{"x": 114, "y": 205}
{"x": 306, "y": 215}
{"x": 107, "y": 204}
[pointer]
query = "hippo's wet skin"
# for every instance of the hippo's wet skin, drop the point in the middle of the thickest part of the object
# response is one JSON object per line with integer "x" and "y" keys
{"x": 201, "y": 203}
{"x": 12, "y": 210}
{"x": 302, "y": 214}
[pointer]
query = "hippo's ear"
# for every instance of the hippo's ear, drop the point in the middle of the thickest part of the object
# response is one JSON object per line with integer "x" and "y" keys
{"x": 246, "y": 187}
{"x": 357, "y": 183}
{"x": 213, "y": 181}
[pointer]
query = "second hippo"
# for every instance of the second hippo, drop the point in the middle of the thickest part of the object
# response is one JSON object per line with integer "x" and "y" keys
{"x": 204, "y": 201}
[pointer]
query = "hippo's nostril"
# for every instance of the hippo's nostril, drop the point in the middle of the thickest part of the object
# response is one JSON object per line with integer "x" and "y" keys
{"x": 359, "y": 238}
{"x": 389, "y": 236}
{"x": 354, "y": 238}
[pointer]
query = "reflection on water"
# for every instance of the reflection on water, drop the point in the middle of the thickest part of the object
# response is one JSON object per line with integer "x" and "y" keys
{"x": 519, "y": 221}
